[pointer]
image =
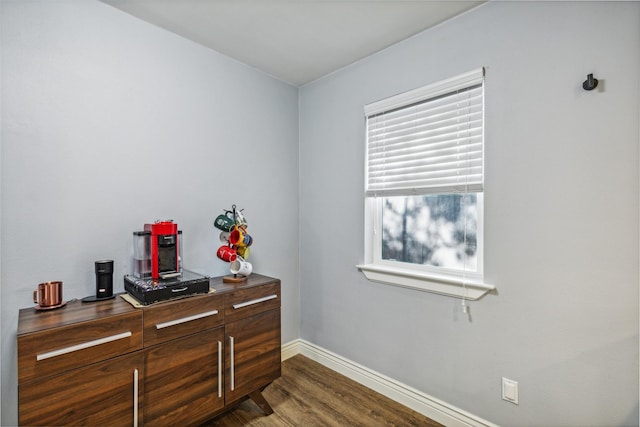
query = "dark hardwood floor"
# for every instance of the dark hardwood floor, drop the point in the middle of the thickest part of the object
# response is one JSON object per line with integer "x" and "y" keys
{"x": 309, "y": 394}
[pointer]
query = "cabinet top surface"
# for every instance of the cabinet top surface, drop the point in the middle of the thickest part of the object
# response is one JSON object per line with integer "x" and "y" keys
{"x": 252, "y": 281}
{"x": 31, "y": 320}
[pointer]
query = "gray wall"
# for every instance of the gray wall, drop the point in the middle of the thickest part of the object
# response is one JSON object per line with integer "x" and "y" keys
{"x": 93, "y": 99}
{"x": 561, "y": 218}
{"x": 109, "y": 123}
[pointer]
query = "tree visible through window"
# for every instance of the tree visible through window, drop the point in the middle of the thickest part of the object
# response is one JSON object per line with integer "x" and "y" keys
{"x": 435, "y": 230}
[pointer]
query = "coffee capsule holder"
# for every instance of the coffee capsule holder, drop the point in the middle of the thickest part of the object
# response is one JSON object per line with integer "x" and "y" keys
{"x": 236, "y": 241}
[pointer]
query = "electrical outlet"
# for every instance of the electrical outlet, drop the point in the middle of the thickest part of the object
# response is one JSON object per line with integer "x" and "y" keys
{"x": 510, "y": 390}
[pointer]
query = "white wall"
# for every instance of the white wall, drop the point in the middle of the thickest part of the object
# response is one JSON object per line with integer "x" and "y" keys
{"x": 561, "y": 218}
{"x": 109, "y": 123}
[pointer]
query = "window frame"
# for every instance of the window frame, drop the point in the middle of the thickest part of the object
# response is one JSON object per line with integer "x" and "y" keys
{"x": 456, "y": 283}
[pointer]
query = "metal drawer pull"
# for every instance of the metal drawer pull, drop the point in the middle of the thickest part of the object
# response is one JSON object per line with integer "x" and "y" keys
{"x": 82, "y": 346}
{"x": 233, "y": 380}
{"x": 219, "y": 368}
{"x": 135, "y": 398}
{"x": 180, "y": 289}
{"x": 186, "y": 319}
{"x": 254, "y": 301}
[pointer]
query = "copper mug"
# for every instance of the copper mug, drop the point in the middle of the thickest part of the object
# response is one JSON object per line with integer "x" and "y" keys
{"x": 48, "y": 294}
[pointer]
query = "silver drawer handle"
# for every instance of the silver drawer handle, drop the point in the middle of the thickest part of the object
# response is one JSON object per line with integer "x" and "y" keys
{"x": 219, "y": 368}
{"x": 135, "y": 398}
{"x": 254, "y": 301}
{"x": 186, "y": 319}
{"x": 82, "y": 346}
{"x": 233, "y": 371}
{"x": 180, "y": 289}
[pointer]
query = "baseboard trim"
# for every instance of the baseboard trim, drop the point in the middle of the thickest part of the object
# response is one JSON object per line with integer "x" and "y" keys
{"x": 426, "y": 405}
{"x": 290, "y": 349}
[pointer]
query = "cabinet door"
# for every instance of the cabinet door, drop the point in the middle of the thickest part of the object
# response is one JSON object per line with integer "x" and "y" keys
{"x": 253, "y": 354}
{"x": 183, "y": 379}
{"x": 105, "y": 393}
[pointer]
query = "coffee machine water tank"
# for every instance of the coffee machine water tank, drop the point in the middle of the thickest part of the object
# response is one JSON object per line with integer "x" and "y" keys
{"x": 142, "y": 254}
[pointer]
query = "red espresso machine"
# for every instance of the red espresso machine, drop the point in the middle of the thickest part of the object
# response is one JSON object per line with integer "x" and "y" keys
{"x": 158, "y": 250}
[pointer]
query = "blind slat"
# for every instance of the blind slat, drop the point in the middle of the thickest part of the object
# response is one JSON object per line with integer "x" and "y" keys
{"x": 434, "y": 107}
{"x": 450, "y": 135}
{"x": 445, "y": 163}
{"x": 432, "y": 91}
{"x": 472, "y": 121}
{"x": 411, "y": 117}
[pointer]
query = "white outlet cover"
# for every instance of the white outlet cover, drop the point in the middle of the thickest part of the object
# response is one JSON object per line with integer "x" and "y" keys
{"x": 510, "y": 390}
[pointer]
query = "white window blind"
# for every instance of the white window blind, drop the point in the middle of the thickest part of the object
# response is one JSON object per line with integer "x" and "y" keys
{"x": 427, "y": 141}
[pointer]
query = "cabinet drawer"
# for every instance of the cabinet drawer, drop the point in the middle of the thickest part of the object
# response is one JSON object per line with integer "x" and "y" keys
{"x": 182, "y": 317}
{"x": 250, "y": 301}
{"x": 57, "y": 350}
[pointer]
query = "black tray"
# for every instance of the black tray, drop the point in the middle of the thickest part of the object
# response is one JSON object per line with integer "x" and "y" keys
{"x": 148, "y": 291}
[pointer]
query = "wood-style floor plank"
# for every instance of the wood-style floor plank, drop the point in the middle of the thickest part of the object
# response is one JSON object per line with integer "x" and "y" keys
{"x": 309, "y": 394}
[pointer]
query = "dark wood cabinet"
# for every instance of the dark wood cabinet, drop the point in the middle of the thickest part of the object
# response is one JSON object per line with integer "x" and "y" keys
{"x": 253, "y": 341}
{"x": 179, "y": 362}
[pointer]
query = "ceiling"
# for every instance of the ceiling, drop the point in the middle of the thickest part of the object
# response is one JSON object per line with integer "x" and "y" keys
{"x": 296, "y": 41}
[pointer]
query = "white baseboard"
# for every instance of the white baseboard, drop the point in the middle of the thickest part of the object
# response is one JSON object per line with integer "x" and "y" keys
{"x": 290, "y": 349}
{"x": 420, "y": 402}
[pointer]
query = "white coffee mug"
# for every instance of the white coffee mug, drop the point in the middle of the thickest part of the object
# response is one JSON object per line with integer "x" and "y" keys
{"x": 224, "y": 236}
{"x": 241, "y": 266}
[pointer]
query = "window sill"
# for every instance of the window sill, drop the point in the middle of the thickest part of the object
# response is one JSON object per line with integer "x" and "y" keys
{"x": 444, "y": 285}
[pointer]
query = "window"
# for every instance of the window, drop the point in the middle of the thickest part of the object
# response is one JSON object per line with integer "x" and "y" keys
{"x": 424, "y": 188}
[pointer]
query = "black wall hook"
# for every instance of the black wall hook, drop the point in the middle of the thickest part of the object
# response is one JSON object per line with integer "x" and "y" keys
{"x": 590, "y": 83}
